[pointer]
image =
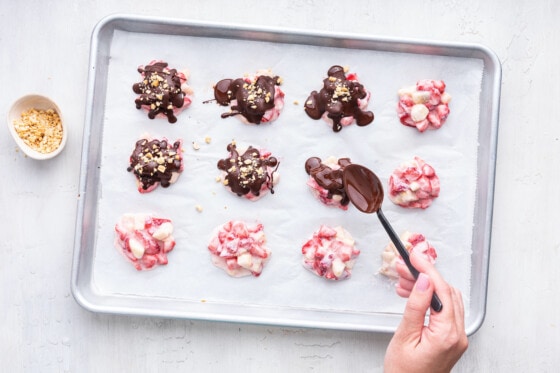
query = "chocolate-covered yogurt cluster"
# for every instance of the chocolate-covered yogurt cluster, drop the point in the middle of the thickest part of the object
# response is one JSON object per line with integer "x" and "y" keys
{"x": 253, "y": 99}
{"x": 162, "y": 91}
{"x": 341, "y": 101}
{"x": 156, "y": 162}
{"x": 249, "y": 173}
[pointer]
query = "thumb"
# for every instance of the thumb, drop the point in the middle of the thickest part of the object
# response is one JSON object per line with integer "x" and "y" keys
{"x": 417, "y": 306}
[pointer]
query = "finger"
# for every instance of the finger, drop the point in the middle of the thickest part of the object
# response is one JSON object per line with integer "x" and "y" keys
{"x": 462, "y": 342}
{"x": 459, "y": 309}
{"x": 402, "y": 292}
{"x": 404, "y": 272}
{"x": 441, "y": 287}
{"x": 416, "y": 307}
{"x": 406, "y": 283}
{"x": 420, "y": 262}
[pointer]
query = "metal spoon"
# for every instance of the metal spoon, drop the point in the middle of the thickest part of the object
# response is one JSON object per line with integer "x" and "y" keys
{"x": 365, "y": 191}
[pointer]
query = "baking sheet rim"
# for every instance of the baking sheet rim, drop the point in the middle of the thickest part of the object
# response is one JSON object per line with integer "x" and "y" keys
{"x": 163, "y": 26}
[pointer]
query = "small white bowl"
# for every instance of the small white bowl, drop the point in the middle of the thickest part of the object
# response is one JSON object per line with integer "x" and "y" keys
{"x": 34, "y": 101}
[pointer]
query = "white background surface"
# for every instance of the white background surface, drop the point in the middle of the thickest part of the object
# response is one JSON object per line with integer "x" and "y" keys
{"x": 44, "y": 48}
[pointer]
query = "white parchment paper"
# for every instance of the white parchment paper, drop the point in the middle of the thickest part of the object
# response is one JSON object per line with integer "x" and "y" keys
{"x": 291, "y": 214}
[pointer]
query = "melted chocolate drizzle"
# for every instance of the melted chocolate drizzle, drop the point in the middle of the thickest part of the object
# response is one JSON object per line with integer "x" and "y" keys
{"x": 247, "y": 172}
{"x": 160, "y": 90}
{"x": 254, "y": 98}
{"x": 339, "y": 98}
{"x": 155, "y": 161}
{"x": 328, "y": 178}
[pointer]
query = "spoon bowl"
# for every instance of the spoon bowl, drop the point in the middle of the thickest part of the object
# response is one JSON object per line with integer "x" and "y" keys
{"x": 363, "y": 188}
{"x": 365, "y": 191}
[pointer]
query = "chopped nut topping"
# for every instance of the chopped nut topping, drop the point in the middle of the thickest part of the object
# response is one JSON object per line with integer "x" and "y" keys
{"x": 248, "y": 172}
{"x": 341, "y": 97}
{"x": 40, "y": 129}
{"x": 155, "y": 162}
{"x": 253, "y": 95}
{"x": 161, "y": 89}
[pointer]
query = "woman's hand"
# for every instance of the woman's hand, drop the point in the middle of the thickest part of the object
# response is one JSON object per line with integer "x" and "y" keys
{"x": 434, "y": 347}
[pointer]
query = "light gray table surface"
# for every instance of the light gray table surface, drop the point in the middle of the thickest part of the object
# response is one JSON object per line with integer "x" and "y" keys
{"x": 44, "y": 48}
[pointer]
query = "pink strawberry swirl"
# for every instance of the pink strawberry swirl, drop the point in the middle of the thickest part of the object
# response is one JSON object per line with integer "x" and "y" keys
{"x": 144, "y": 240}
{"x": 413, "y": 242}
{"x": 239, "y": 248}
{"x": 414, "y": 184}
{"x": 425, "y": 105}
{"x": 330, "y": 253}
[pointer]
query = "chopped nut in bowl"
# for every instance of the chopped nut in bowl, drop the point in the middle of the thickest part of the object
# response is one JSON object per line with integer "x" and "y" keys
{"x": 37, "y": 127}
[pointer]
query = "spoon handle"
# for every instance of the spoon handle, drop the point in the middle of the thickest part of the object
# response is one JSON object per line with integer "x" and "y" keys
{"x": 436, "y": 302}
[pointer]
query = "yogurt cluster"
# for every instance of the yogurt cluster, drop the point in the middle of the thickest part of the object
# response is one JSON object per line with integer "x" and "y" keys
{"x": 330, "y": 253}
{"x": 144, "y": 240}
{"x": 239, "y": 248}
{"x": 424, "y": 105}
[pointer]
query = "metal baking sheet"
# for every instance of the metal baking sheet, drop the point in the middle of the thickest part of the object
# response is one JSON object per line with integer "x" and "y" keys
{"x": 306, "y": 301}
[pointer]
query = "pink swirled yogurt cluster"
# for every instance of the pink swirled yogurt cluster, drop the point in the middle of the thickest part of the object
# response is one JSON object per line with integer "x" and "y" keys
{"x": 413, "y": 242}
{"x": 330, "y": 253}
{"x": 239, "y": 248}
{"x": 424, "y": 105}
{"x": 414, "y": 184}
{"x": 144, "y": 240}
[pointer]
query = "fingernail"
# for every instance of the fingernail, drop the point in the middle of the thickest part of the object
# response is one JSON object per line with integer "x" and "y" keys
{"x": 423, "y": 282}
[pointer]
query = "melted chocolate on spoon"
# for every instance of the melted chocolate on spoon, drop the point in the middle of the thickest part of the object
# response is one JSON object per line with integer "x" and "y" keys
{"x": 365, "y": 191}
